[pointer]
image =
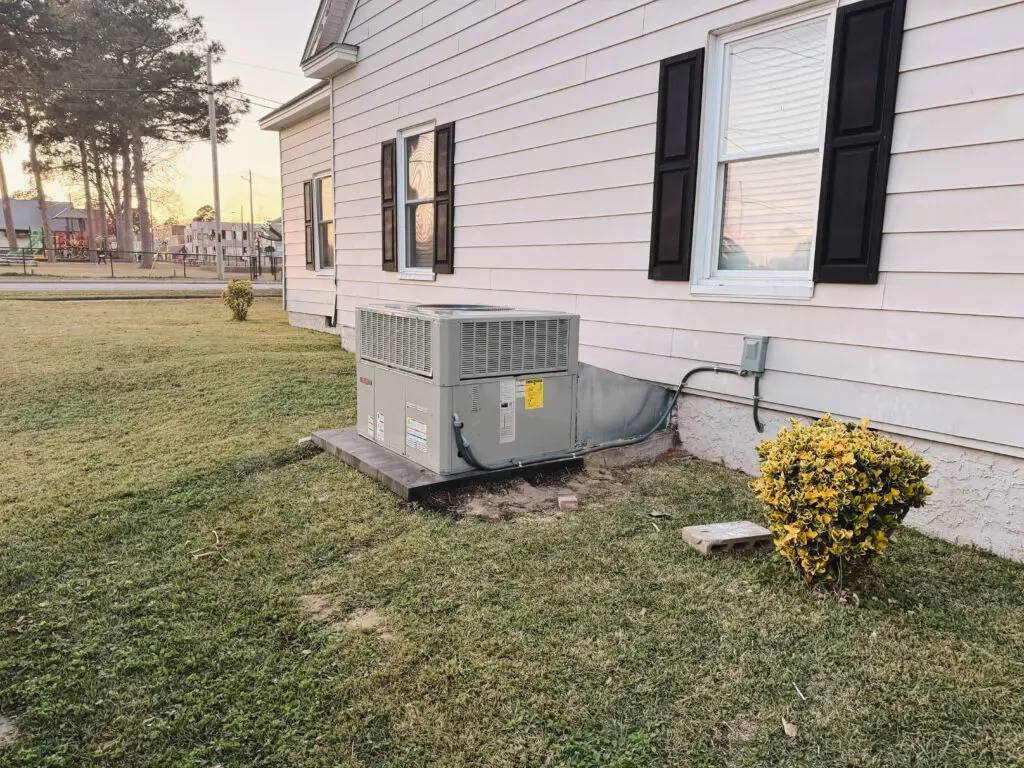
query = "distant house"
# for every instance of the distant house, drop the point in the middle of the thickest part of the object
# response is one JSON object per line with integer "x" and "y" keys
{"x": 169, "y": 238}
{"x": 200, "y": 241}
{"x": 65, "y": 220}
{"x": 844, "y": 177}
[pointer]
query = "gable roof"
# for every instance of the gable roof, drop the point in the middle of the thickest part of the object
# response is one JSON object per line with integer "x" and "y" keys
{"x": 329, "y": 26}
{"x": 308, "y": 103}
{"x": 26, "y": 215}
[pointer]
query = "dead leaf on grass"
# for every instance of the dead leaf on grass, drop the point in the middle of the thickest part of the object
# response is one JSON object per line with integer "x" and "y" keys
{"x": 789, "y": 728}
{"x": 8, "y": 731}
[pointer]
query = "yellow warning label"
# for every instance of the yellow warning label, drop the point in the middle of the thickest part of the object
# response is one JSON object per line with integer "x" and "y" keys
{"x": 534, "y": 389}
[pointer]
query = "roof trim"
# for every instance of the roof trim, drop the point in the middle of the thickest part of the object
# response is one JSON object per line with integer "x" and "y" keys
{"x": 309, "y": 102}
{"x": 336, "y": 58}
{"x": 337, "y": 13}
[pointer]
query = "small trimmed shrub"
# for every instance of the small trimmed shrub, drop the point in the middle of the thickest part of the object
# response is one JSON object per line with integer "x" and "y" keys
{"x": 835, "y": 492}
{"x": 238, "y": 297}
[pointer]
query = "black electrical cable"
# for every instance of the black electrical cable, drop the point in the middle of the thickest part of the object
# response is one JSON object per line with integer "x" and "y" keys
{"x": 466, "y": 451}
{"x": 757, "y": 403}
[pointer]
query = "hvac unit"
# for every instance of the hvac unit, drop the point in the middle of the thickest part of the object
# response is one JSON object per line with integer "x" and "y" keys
{"x": 509, "y": 376}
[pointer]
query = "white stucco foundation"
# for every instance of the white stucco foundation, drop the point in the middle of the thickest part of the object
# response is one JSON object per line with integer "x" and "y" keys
{"x": 312, "y": 323}
{"x": 978, "y": 496}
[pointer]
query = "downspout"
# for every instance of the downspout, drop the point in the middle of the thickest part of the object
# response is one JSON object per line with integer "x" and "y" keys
{"x": 334, "y": 201}
{"x": 284, "y": 250}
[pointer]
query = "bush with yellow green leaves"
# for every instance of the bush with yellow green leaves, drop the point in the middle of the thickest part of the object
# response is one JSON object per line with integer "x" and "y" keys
{"x": 238, "y": 297}
{"x": 835, "y": 492}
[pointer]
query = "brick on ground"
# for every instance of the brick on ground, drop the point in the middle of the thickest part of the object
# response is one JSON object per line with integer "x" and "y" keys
{"x": 721, "y": 538}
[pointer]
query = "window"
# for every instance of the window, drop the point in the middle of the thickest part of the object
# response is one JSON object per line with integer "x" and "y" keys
{"x": 325, "y": 222}
{"x": 761, "y": 161}
{"x": 416, "y": 200}
{"x": 318, "y": 203}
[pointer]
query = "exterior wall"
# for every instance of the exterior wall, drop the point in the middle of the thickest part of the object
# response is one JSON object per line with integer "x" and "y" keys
{"x": 305, "y": 153}
{"x": 555, "y": 105}
{"x": 979, "y": 496}
{"x": 312, "y": 322}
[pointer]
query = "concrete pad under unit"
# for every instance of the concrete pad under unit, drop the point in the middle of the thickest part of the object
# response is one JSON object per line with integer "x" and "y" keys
{"x": 406, "y": 478}
{"x": 720, "y": 538}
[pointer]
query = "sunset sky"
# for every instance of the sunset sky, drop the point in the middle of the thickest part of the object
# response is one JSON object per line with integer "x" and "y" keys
{"x": 263, "y": 41}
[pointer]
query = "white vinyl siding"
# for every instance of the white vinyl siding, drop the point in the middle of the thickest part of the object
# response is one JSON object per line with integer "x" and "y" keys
{"x": 555, "y": 102}
{"x": 305, "y": 154}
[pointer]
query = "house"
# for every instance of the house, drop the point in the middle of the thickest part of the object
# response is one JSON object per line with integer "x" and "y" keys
{"x": 66, "y": 221}
{"x": 169, "y": 238}
{"x": 844, "y": 177}
{"x": 200, "y": 240}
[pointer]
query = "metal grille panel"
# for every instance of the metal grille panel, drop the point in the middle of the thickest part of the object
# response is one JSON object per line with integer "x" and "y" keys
{"x": 512, "y": 347}
{"x": 396, "y": 340}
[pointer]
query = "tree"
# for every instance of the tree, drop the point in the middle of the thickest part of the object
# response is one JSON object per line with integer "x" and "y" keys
{"x": 99, "y": 82}
{"x": 23, "y": 194}
{"x": 154, "y": 51}
{"x": 31, "y": 46}
{"x": 205, "y": 213}
{"x": 6, "y": 136}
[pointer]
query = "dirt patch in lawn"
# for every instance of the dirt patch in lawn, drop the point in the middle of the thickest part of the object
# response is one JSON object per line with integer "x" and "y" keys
{"x": 366, "y": 620}
{"x": 317, "y": 607}
{"x": 370, "y": 621}
{"x": 528, "y": 500}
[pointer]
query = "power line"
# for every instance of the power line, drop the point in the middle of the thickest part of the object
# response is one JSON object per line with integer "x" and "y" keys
{"x": 268, "y": 69}
{"x": 143, "y": 92}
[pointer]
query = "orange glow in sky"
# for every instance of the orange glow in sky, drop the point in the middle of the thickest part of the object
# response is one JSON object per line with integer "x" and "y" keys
{"x": 263, "y": 41}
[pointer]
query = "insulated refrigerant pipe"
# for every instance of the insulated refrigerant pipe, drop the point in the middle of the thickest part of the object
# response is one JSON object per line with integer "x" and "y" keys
{"x": 466, "y": 450}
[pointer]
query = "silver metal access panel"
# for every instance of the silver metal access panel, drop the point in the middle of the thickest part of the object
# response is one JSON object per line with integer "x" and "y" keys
{"x": 509, "y": 374}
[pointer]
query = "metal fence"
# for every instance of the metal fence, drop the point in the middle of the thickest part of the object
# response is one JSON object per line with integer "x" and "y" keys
{"x": 110, "y": 263}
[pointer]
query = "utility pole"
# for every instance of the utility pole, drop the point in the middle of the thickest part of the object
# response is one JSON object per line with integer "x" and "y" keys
{"x": 216, "y": 173}
{"x": 253, "y": 251}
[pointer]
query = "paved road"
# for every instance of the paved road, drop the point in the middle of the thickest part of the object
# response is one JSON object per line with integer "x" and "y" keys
{"x": 124, "y": 285}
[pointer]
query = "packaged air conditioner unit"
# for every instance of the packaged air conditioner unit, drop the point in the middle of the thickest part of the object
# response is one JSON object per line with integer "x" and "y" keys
{"x": 509, "y": 374}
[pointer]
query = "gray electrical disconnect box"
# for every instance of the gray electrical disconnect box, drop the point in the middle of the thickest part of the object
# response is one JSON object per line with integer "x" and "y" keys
{"x": 509, "y": 374}
{"x": 755, "y": 352}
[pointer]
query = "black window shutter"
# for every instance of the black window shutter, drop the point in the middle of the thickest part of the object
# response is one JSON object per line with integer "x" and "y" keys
{"x": 444, "y": 199}
{"x": 858, "y": 140}
{"x": 307, "y": 202}
{"x": 388, "y": 209}
{"x": 675, "y": 165}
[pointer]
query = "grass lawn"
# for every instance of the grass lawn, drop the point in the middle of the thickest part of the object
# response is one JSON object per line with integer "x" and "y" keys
{"x": 158, "y": 524}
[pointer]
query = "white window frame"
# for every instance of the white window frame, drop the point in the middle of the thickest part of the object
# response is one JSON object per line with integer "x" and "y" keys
{"x": 761, "y": 283}
{"x": 405, "y": 271}
{"x": 317, "y": 266}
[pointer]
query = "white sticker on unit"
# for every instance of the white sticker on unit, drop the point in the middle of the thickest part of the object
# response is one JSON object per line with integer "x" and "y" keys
{"x": 369, "y": 426}
{"x": 416, "y": 435}
{"x": 380, "y": 427}
{"x": 507, "y": 411}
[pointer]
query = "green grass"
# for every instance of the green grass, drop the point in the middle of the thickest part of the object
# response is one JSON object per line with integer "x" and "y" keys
{"x": 134, "y": 436}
